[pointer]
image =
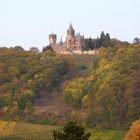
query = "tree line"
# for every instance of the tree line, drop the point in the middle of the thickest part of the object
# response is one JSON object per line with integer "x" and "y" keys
{"x": 104, "y": 40}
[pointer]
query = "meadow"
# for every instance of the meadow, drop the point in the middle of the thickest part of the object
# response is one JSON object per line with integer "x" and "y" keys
{"x": 103, "y": 134}
{"x": 26, "y": 131}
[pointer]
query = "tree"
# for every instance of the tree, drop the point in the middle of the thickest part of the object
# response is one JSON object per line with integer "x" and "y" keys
{"x": 14, "y": 110}
{"x": 85, "y": 101}
{"x": 86, "y": 44}
{"x": 97, "y": 43}
{"x": 34, "y": 50}
{"x": 107, "y": 36}
{"x": 134, "y": 131}
{"x": 19, "y": 48}
{"x": 136, "y": 40}
{"x": 90, "y": 43}
{"x": 102, "y": 36}
{"x": 105, "y": 40}
{"x": 29, "y": 110}
{"x": 71, "y": 131}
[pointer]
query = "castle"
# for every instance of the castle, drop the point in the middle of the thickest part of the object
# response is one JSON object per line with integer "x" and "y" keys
{"x": 72, "y": 42}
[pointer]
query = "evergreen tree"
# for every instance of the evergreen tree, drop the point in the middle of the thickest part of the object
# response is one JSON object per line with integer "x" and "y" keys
{"x": 107, "y": 37}
{"x": 102, "y": 36}
{"x": 102, "y": 39}
{"x": 107, "y": 41}
{"x": 90, "y": 43}
{"x": 86, "y": 44}
{"x": 71, "y": 131}
{"x": 97, "y": 43}
{"x": 136, "y": 40}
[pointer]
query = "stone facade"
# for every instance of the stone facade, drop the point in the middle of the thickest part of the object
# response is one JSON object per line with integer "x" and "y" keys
{"x": 72, "y": 42}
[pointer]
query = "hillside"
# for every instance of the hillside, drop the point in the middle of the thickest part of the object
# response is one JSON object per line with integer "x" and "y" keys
{"x": 53, "y": 103}
{"x": 97, "y": 91}
{"x": 110, "y": 91}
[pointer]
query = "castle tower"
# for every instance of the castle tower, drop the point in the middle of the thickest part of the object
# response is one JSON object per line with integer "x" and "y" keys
{"x": 52, "y": 39}
{"x": 70, "y": 37}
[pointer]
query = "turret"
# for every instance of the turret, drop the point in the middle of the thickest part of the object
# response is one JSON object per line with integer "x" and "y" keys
{"x": 52, "y": 39}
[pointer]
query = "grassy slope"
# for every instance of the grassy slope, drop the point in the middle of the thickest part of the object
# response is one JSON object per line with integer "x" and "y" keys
{"x": 107, "y": 135}
{"x": 83, "y": 59}
{"x": 82, "y": 62}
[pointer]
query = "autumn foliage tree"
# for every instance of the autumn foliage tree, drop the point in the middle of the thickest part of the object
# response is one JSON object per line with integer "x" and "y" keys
{"x": 134, "y": 131}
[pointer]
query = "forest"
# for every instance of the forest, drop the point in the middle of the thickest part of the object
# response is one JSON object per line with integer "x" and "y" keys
{"x": 108, "y": 95}
{"x": 23, "y": 75}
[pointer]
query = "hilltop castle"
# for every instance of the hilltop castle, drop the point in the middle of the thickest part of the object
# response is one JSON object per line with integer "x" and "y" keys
{"x": 72, "y": 42}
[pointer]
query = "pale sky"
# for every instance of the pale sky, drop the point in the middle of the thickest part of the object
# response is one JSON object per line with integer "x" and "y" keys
{"x": 29, "y": 22}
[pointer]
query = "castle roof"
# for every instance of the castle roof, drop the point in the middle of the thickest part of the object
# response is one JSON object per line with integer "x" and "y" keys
{"x": 71, "y": 28}
{"x": 52, "y": 34}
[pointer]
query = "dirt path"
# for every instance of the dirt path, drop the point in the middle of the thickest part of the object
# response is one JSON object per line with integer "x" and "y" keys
{"x": 52, "y": 103}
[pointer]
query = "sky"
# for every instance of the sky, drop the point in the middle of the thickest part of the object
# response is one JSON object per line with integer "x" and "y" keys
{"x": 29, "y": 22}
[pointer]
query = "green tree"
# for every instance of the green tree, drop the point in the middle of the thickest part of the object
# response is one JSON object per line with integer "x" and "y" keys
{"x": 136, "y": 40}
{"x": 90, "y": 44}
{"x": 19, "y": 48}
{"x": 71, "y": 131}
{"x": 34, "y": 50}
{"x": 97, "y": 43}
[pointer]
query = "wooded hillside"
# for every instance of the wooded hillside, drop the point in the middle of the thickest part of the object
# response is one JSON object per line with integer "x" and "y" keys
{"x": 111, "y": 89}
{"x": 23, "y": 74}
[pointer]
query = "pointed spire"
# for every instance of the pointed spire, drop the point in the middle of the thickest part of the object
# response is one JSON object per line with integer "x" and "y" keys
{"x": 71, "y": 30}
{"x": 71, "y": 27}
{"x": 61, "y": 38}
{"x": 61, "y": 42}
